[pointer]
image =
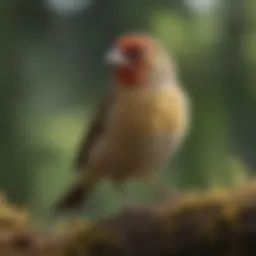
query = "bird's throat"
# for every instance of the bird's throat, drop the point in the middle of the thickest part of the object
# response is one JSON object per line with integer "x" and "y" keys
{"x": 130, "y": 77}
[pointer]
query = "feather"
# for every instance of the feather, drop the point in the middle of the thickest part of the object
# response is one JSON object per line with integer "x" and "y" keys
{"x": 96, "y": 129}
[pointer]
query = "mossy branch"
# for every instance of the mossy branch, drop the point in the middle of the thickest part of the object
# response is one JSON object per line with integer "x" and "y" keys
{"x": 216, "y": 223}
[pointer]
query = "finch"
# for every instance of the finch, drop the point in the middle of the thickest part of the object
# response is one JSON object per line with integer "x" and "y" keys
{"x": 138, "y": 126}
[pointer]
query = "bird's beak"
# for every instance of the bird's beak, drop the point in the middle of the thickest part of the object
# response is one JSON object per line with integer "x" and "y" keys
{"x": 115, "y": 57}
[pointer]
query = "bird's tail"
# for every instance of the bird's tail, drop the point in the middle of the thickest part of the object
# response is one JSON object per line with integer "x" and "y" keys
{"x": 76, "y": 195}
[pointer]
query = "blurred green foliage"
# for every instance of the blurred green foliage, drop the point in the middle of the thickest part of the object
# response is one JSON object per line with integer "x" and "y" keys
{"x": 53, "y": 74}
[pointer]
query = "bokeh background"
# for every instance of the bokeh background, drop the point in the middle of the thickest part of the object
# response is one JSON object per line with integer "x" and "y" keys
{"x": 53, "y": 74}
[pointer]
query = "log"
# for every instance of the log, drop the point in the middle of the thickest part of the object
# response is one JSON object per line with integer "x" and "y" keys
{"x": 213, "y": 223}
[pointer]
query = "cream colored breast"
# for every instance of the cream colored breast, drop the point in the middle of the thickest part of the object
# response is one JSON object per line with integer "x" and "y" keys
{"x": 144, "y": 130}
{"x": 141, "y": 113}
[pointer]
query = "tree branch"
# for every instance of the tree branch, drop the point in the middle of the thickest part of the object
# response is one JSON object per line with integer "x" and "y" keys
{"x": 215, "y": 223}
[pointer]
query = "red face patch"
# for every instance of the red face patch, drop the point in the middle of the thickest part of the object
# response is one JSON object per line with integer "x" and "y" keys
{"x": 134, "y": 50}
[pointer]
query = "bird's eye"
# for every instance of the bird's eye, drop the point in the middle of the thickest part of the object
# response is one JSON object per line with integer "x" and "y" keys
{"x": 135, "y": 54}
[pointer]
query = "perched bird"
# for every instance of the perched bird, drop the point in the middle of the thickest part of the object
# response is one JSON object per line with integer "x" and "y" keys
{"x": 138, "y": 126}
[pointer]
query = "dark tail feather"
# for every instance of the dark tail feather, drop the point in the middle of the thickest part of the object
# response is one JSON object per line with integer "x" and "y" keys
{"x": 74, "y": 199}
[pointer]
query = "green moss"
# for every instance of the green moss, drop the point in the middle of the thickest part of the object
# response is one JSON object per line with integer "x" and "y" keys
{"x": 218, "y": 220}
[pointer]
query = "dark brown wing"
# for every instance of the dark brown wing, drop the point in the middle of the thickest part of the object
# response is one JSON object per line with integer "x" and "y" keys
{"x": 97, "y": 127}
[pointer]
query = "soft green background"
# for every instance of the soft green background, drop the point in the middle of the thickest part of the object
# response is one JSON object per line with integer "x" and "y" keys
{"x": 52, "y": 74}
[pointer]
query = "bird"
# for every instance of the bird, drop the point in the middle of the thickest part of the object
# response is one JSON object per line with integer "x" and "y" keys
{"x": 140, "y": 123}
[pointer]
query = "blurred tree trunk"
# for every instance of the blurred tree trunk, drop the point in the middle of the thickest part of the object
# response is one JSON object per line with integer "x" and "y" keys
{"x": 12, "y": 164}
{"x": 235, "y": 80}
{"x": 204, "y": 158}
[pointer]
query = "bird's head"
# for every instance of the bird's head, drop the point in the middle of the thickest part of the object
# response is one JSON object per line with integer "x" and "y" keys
{"x": 138, "y": 60}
